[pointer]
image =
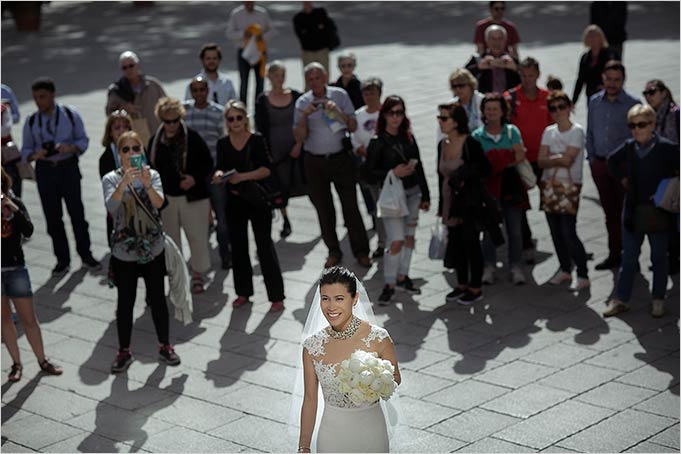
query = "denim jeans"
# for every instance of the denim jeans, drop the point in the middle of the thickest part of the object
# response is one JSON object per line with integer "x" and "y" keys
{"x": 569, "y": 247}
{"x": 397, "y": 229}
{"x": 218, "y": 198}
{"x": 631, "y": 242}
{"x": 514, "y": 239}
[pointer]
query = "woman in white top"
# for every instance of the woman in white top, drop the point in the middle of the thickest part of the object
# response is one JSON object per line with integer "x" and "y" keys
{"x": 562, "y": 154}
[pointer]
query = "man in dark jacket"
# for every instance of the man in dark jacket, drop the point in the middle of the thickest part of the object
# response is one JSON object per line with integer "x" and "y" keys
{"x": 495, "y": 69}
{"x": 317, "y": 34}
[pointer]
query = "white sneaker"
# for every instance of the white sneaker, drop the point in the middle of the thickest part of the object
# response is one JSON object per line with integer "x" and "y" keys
{"x": 580, "y": 284}
{"x": 488, "y": 275}
{"x": 560, "y": 277}
{"x": 517, "y": 275}
{"x": 615, "y": 307}
{"x": 658, "y": 308}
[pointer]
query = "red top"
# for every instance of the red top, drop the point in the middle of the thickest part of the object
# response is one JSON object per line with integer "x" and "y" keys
{"x": 531, "y": 116}
{"x": 512, "y": 33}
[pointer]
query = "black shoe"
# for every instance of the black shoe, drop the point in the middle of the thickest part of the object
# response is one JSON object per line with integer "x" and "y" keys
{"x": 166, "y": 354}
{"x": 408, "y": 285}
{"x": 454, "y": 295}
{"x": 91, "y": 263}
{"x": 286, "y": 230}
{"x": 608, "y": 264}
{"x": 122, "y": 361}
{"x": 378, "y": 253}
{"x": 227, "y": 262}
{"x": 60, "y": 269}
{"x": 469, "y": 298}
{"x": 386, "y": 296}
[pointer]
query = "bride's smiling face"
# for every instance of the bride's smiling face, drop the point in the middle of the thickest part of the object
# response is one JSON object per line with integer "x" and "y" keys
{"x": 337, "y": 302}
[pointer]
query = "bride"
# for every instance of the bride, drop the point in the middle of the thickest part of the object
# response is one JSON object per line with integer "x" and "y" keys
{"x": 337, "y": 326}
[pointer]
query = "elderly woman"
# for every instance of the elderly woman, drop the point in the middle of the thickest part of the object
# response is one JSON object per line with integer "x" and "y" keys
{"x": 641, "y": 164}
{"x": 133, "y": 195}
{"x": 504, "y": 149}
{"x": 274, "y": 111}
{"x": 117, "y": 123}
{"x": 244, "y": 155}
{"x": 464, "y": 88}
{"x": 592, "y": 62}
{"x": 183, "y": 160}
{"x": 348, "y": 81}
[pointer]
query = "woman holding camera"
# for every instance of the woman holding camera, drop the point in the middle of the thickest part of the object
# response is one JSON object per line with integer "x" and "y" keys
{"x": 133, "y": 194}
{"x": 461, "y": 167}
{"x": 394, "y": 150}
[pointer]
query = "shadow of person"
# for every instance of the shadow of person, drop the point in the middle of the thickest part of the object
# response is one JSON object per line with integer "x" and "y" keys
{"x": 12, "y": 407}
{"x": 292, "y": 256}
{"x": 112, "y": 422}
{"x": 49, "y": 295}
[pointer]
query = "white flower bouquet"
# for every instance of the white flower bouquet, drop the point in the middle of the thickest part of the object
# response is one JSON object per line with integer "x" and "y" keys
{"x": 365, "y": 378}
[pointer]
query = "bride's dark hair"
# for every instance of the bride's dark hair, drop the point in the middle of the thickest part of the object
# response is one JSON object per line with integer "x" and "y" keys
{"x": 340, "y": 275}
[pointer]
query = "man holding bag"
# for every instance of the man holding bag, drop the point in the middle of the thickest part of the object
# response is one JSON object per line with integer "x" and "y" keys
{"x": 250, "y": 28}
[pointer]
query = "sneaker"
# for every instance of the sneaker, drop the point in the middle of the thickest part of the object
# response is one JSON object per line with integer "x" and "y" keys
{"x": 364, "y": 261}
{"x": 122, "y": 361}
{"x": 517, "y": 275}
{"x": 386, "y": 296}
{"x": 408, "y": 286}
{"x": 49, "y": 368}
{"x": 277, "y": 306}
{"x": 560, "y": 278}
{"x": 615, "y": 307}
{"x": 488, "y": 275}
{"x": 469, "y": 298}
{"x": 91, "y": 263}
{"x": 60, "y": 269}
{"x": 580, "y": 284}
{"x": 240, "y": 301}
{"x": 332, "y": 260}
{"x": 658, "y": 308}
{"x": 166, "y": 354}
{"x": 286, "y": 230}
{"x": 454, "y": 295}
{"x": 608, "y": 264}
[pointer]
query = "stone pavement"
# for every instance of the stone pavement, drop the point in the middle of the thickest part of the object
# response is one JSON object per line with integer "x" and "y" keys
{"x": 530, "y": 368}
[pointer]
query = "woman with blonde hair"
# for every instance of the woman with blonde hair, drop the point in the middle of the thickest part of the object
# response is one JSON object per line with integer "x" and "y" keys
{"x": 183, "y": 160}
{"x": 592, "y": 62}
{"x": 243, "y": 162}
{"x": 133, "y": 195}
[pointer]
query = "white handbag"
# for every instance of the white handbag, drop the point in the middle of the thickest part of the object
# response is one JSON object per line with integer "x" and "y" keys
{"x": 392, "y": 201}
{"x": 526, "y": 173}
{"x": 251, "y": 53}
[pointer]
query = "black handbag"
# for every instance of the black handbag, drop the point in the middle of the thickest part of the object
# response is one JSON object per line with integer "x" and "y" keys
{"x": 650, "y": 219}
{"x": 268, "y": 190}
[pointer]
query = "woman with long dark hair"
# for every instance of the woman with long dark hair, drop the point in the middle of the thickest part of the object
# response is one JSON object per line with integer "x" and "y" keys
{"x": 394, "y": 149}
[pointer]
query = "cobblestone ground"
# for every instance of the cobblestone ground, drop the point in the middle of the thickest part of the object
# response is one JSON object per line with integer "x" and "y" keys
{"x": 531, "y": 368}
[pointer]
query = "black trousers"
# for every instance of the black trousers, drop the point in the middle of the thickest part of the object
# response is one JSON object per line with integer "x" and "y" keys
{"x": 463, "y": 248}
{"x": 240, "y": 212}
{"x": 338, "y": 169}
{"x": 57, "y": 183}
{"x": 244, "y": 72}
{"x": 126, "y": 274}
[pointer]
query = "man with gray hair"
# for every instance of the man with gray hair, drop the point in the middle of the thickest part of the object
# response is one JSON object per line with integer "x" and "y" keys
{"x": 495, "y": 68}
{"x": 136, "y": 93}
{"x": 323, "y": 117}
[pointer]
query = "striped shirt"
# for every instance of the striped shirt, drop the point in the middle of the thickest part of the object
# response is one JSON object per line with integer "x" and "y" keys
{"x": 208, "y": 122}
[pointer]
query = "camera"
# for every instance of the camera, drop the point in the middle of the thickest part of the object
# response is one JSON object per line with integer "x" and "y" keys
{"x": 50, "y": 147}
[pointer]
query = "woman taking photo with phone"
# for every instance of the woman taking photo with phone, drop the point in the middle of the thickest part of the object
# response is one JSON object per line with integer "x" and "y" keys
{"x": 394, "y": 149}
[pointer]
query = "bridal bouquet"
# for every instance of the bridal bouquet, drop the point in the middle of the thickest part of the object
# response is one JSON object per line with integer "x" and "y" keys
{"x": 366, "y": 378}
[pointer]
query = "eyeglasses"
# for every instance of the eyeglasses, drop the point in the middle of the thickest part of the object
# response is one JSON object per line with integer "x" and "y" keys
{"x": 557, "y": 107}
{"x": 131, "y": 65}
{"x": 136, "y": 148}
{"x": 395, "y": 113}
{"x": 650, "y": 92}
{"x": 443, "y": 117}
{"x": 174, "y": 121}
{"x": 235, "y": 118}
{"x": 639, "y": 125}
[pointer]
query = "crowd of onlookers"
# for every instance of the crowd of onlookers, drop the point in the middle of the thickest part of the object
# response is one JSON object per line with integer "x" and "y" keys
{"x": 200, "y": 165}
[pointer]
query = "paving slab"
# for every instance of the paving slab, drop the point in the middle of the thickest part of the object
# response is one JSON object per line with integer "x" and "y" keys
{"x": 647, "y": 446}
{"x": 617, "y": 396}
{"x": 579, "y": 378}
{"x": 467, "y": 394}
{"x": 664, "y": 404}
{"x": 516, "y": 374}
{"x": 474, "y": 424}
{"x": 182, "y": 439}
{"x": 491, "y": 444}
{"x": 668, "y": 437}
{"x": 527, "y": 401}
{"x": 38, "y": 431}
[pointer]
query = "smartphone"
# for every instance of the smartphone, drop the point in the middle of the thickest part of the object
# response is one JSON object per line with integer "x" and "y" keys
{"x": 136, "y": 161}
{"x": 413, "y": 162}
{"x": 225, "y": 176}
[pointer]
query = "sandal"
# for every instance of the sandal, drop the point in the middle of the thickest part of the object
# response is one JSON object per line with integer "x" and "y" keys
{"x": 50, "y": 368}
{"x": 197, "y": 285}
{"x": 15, "y": 372}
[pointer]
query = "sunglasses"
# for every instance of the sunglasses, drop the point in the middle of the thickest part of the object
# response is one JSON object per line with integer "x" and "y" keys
{"x": 557, "y": 107}
{"x": 136, "y": 148}
{"x": 131, "y": 65}
{"x": 174, "y": 121}
{"x": 443, "y": 117}
{"x": 235, "y": 118}
{"x": 395, "y": 113}
{"x": 650, "y": 92}
{"x": 639, "y": 125}
{"x": 455, "y": 86}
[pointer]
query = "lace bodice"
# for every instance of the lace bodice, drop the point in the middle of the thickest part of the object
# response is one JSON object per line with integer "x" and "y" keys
{"x": 327, "y": 364}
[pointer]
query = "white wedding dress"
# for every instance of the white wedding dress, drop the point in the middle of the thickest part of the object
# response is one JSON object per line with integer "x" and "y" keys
{"x": 346, "y": 427}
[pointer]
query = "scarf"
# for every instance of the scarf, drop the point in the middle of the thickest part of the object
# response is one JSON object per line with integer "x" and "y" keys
{"x": 256, "y": 32}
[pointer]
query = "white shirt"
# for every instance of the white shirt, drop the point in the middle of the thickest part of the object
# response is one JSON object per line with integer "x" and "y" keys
{"x": 558, "y": 142}
{"x": 366, "y": 128}
{"x": 220, "y": 91}
{"x": 240, "y": 19}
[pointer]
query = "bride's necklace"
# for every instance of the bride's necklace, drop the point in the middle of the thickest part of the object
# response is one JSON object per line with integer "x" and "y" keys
{"x": 348, "y": 332}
